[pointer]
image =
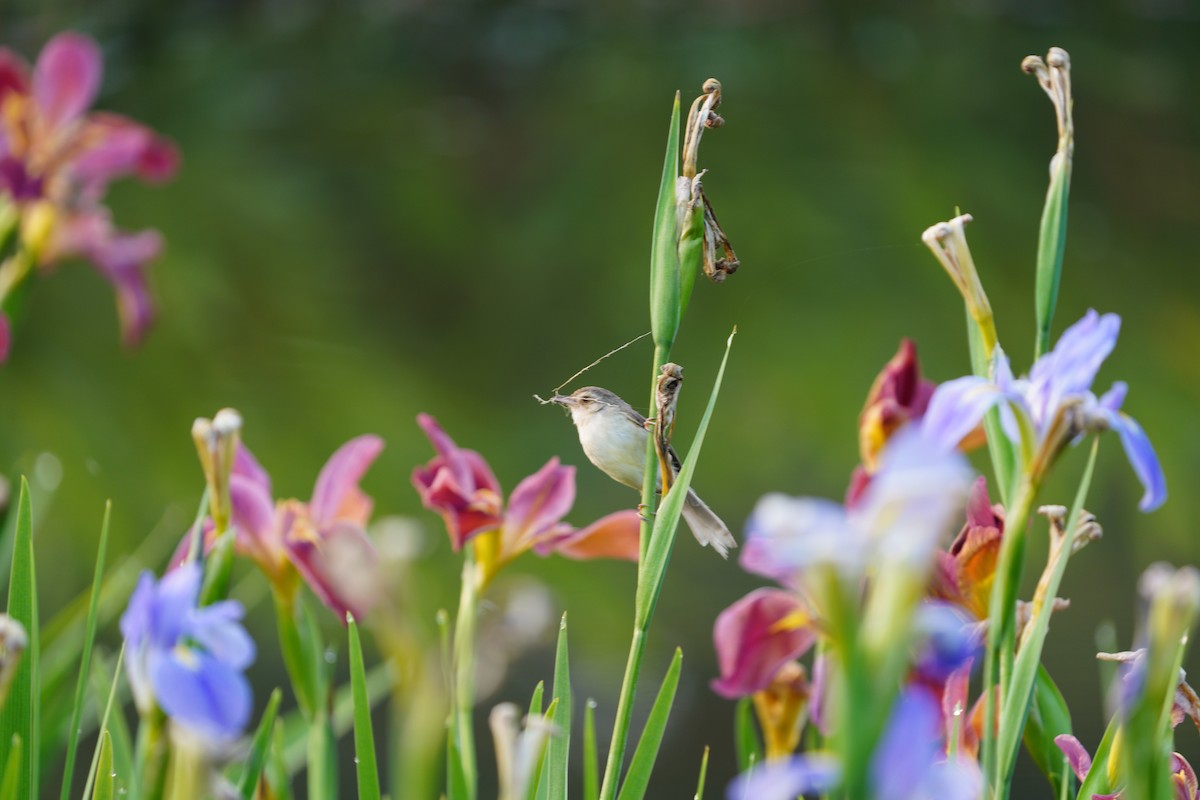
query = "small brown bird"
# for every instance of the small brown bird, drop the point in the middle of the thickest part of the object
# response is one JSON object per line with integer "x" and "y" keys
{"x": 613, "y": 436}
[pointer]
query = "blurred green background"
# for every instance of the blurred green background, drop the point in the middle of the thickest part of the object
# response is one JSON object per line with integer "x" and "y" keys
{"x": 394, "y": 206}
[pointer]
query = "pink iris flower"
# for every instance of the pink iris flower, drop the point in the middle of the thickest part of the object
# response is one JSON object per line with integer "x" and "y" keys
{"x": 460, "y": 485}
{"x": 57, "y": 160}
{"x": 324, "y": 540}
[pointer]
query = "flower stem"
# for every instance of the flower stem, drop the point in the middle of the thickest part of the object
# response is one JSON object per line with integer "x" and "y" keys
{"x": 1001, "y": 619}
{"x": 637, "y": 644}
{"x": 151, "y": 757}
{"x": 462, "y": 729}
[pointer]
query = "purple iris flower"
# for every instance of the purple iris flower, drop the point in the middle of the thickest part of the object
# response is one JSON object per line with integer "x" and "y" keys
{"x": 910, "y": 760}
{"x": 1059, "y": 384}
{"x": 948, "y": 640}
{"x": 813, "y": 773}
{"x": 188, "y": 659}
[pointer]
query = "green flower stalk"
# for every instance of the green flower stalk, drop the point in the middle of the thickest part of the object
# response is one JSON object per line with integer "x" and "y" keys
{"x": 1054, "y": 76}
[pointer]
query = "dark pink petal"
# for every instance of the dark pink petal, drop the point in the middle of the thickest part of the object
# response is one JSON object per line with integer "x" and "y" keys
{"x": 14, "y": 74}
{"x": 5, "y": 337}
{"x": 341, "y": 569}
{"x": 539, "y": 502}
{"x": 614, "y": 536}
{"x": 465, "y": 515}
{"x": 253, "y": 515}
{"x": 980, "y": 512}
{"x": 458, "y": 484}
{"x": 246, "y": 465}
{"x": 956, "y": 711}
{"x": 1183, "y": 778}
{"x": 116, "y": 147}
{"x": 754, "y": 638}
{"x": 336, "y": 496}
{"x": 67, "y": 77}
{"x": 1077, "y": 755}
{"x": 468, "y": 467}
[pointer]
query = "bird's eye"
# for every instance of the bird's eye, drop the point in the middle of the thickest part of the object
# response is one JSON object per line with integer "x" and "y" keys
{"x": 585, "y": 400}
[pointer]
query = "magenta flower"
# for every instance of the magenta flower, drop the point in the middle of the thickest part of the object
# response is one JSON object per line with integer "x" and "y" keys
{"x": 56, "y": 162}
{"x": 460, "y": 485}
{"x": 323, "y": 540}
{"x": 755, "y": 637}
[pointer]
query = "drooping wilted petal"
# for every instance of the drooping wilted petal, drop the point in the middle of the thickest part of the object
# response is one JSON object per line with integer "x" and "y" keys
{"x": 811, "y": 773}
{"x": 757, "y": 635}
{"x": 616, "y": 536}
{"x": 336, "y": 496}
{"x": 66, "y": 78}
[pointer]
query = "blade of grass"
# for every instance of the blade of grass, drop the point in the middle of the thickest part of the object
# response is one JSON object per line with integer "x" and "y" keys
{"x": 12, "y": 770}
{"x": 1025, "y": 668}
{"x": 104, "y": 770}
{"x": 295, "y": 727}
{"x": 85, "y": 659}
{"x": 20, "y": 712}
{"x": 591, "y": 764}
{"x": 746, "y": 740}
{"x": 277, "y": 770}
{"x": 535, "y": 702}
{"x": 108, "y": 707}
{"x": 258, "y": 748}
{"x": 646, "y": 753}
{"x": 558, "y": 750}
{"x": 703, "y": 773}
{"x": 364, "y": 734}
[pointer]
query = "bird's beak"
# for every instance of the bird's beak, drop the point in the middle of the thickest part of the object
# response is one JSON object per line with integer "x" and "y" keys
{"x": 563, "y": 400}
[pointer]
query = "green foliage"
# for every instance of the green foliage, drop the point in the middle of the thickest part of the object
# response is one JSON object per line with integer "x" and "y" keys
{"x": 259, "y": 748}
{"x": 1048, "y": 717}
{"x": 19, "y": 716}
{"x": 1052, "y": 243}
{"x": 364, "y": 735}
{"x": 642, "y": 763}
{"x": 747, "y": 743}
{"x": 553, "y": 784}
{"x": 703, "y": 774}
{"x": 105, "y": 776}
{"x": 85, "y": 660}
{"x": 666, "y": 301}
{"x": 591, "y": 767}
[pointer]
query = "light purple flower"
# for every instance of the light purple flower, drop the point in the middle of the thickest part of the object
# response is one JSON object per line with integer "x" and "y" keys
{"x": 910, "y": 500}
{"x": 1060, "y": 382}
{"x": 814, "y": 773}
{"x": 909, "y": 762}
{"x": 188, "y": 660}
{"x": 947, "y": 640}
